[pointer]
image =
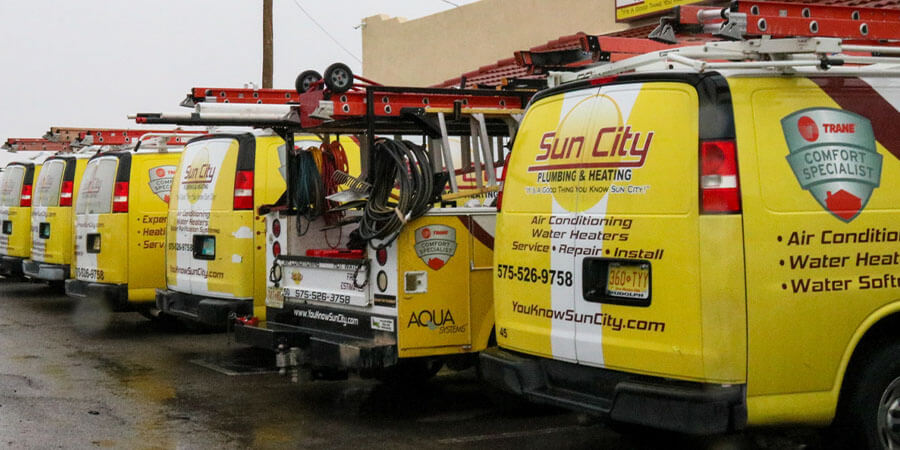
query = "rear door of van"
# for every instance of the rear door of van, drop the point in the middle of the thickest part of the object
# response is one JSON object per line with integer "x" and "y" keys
{"x": 599, "y": 251}
{"x": 16, "y": 183}
{"x": 51, "y": 215}
{"x": 209, "y": 247}
{"x": 101, "y": 250}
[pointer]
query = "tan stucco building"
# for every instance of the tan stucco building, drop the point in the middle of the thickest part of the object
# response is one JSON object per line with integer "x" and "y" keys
{"x": 435, "y": 48}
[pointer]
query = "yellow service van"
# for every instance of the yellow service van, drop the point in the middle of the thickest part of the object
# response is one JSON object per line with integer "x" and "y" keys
{"x": 16, "y": 188}
{"x": 120, "y": 228}
{"x": 704, "y": 247}
{"x": 215, "y": 238}
{"x": 51, "y": 218}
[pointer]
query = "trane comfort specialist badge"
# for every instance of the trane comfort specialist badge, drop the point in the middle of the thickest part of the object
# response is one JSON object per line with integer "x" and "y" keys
{"x": 833, "y": 155}
{"x": 435, "y": 245}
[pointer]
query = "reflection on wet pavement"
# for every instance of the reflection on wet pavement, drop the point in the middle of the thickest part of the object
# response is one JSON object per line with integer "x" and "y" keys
{"x": 133, "y": 384}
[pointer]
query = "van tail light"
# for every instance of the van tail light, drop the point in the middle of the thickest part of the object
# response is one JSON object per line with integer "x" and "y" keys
{"x": 720, "y": 190}
{"x": 65, "y": 193}
{"x": 120, "y": 197}
{"x": 25, "y": 199}
{"x": 502, "y": 182}
{"x": 243, "y": 189}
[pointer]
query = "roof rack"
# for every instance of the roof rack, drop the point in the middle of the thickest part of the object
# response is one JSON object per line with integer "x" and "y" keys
{"x": 767, "y": 35}
{"x": 341, "y": 106}
{"x": 777, "y": 55}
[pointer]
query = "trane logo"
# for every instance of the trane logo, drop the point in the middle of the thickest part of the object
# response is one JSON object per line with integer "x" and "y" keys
{"x": 809, "y": 130}
{"x": 611, "y": 147}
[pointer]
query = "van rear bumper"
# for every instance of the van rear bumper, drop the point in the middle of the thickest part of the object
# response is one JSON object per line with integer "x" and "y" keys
{"x": 318, "y": 349}
{"x": 11, "y": 266}
{"x": 208, "y": 311}
{"x": 45, "y": 271}
{"x": 685, "y": 407}
{"x": 115, "y": 294}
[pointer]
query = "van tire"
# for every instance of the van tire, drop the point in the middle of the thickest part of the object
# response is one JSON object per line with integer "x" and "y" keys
{"x": 873, "y": 400}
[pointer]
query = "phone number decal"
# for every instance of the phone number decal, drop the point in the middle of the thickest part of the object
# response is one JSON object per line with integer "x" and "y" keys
{"x": 534, "y": 275}
{"x": 305, "y": 294}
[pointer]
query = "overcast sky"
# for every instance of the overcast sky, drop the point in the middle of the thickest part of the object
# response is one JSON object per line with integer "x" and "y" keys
{"x": 92, "y": 62}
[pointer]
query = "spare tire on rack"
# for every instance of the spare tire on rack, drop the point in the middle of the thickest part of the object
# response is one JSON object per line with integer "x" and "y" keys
{"x": 305, "y": 80}
{"x": 338, "y": 78}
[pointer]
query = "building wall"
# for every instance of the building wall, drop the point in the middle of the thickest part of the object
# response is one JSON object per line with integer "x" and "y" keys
{"x": 435, "y": 48}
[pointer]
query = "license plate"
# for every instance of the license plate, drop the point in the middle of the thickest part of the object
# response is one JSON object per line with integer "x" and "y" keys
{"x": 628, "y": 280}
{"x": 325, "y": 282}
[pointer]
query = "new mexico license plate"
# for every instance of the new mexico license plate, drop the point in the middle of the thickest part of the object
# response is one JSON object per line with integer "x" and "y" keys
{"x": 628, "y": 280}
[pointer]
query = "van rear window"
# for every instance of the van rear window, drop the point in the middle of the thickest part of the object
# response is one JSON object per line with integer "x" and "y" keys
{"x": 95, "y": 192}
{"x": 46, "y": 190}
{"x": 11, "y": 185}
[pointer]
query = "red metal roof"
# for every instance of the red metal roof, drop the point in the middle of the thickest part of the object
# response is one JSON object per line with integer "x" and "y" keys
{"x": 494, "y": 74}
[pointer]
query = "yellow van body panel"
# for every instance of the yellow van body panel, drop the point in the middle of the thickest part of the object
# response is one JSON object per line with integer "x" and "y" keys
{"x": 151, "y": 180}
{"x": 58, "y": 247}
{"x": 815, "y": 281}
{"x": 722, "y": 299}
{"x": 18, "y": 243}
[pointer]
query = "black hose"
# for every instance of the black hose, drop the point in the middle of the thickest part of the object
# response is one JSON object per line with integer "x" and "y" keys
{"x": 397, "y": 165}
{"x": 308, "y": 193}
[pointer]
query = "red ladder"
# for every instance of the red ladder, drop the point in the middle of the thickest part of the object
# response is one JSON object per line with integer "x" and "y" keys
{"x": 35, "y": 144}
{"x": 115, "y": 136}
{"x": 789, "y": 19}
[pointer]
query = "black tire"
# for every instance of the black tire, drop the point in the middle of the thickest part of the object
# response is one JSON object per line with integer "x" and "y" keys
{"x": 338, "y": 78}
{"x": 57, "y": 286}
{"x": 305, "y": 80}
{"x": 160, "y": 319}
{"x": 410, "y": 371}
{"x": 873, "y": 401}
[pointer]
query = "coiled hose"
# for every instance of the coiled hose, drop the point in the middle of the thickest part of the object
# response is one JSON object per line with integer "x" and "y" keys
{"x": 309, "y": 195}
{"x": 314, "y": 175}
{"x": 405, "y": 167}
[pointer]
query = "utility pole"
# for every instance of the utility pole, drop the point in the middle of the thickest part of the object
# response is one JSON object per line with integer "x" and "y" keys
{"x": 267, "y": 45}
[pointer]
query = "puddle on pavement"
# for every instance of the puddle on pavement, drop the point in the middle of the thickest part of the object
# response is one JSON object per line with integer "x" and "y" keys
{"x": 238, "y": 362}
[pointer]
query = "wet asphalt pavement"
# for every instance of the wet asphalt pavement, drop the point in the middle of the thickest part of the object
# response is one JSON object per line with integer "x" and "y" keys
{"x": 65, "y": 383}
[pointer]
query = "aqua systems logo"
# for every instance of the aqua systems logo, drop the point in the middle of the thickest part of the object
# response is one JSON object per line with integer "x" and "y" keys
{"x": 834, "y": 156}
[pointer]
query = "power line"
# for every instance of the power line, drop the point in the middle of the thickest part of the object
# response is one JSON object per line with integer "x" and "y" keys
{"x": 311, "y": 18}
{"x": 450, "y": 3}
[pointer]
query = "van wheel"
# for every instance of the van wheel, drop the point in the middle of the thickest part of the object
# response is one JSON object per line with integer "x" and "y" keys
{"x": 872, "y": 409}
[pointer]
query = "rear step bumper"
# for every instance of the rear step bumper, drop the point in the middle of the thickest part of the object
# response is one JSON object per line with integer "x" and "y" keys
{"x": 45, "y": 271}
{"x": 11, "y": 266}
{"x": 115, "y": 294}
{"x": 686, "y": 407}
{"x": 216, "y": 312}
{"x": 319, "y": 349}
